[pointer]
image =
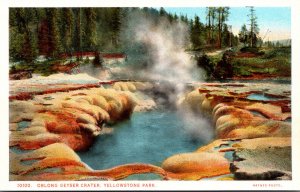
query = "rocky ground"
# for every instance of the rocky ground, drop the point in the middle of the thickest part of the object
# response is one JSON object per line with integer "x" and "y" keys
{"x": 53, "y": 118}
{"x": 253, "y": 134}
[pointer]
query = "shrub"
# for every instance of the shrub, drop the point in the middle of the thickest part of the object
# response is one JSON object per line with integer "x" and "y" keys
{"x": 278, "y": 52}
{"x": 224, "y": 67}
{"x": 13, "y": 69}
{"x": 98, "y": 61}
{"x": 249, "y": 49}
{"x": 87, "y": 60}
{"x": 205, "y": 63}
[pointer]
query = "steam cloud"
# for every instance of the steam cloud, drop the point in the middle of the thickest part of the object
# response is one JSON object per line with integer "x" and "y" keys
{"x": 197, "y": 126}
{"x": 161, "y": 46}
{"x": 155, "y": 49}
{"x": 156, "y": 52}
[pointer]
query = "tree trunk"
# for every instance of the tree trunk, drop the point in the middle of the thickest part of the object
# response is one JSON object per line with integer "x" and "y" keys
{"x": 209, "y": 28}
{"x": 220, "y": 29}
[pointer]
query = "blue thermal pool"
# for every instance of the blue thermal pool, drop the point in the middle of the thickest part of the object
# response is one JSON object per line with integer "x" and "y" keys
{"x": 147, "y": 137}
{"x": 261, "y": 97}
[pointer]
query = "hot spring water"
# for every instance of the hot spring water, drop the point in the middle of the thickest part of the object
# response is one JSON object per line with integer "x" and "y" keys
{"x": 147, "y": 137}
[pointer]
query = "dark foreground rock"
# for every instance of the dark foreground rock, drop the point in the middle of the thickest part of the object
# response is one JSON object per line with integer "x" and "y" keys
{"x": 272, "y": 163}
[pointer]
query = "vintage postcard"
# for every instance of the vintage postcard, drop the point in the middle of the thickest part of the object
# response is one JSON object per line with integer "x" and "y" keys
{"x": 145, "y": 97}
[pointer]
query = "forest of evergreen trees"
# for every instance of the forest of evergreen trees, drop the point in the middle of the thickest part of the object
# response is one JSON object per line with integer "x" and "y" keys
{"x": 55, "y": 31}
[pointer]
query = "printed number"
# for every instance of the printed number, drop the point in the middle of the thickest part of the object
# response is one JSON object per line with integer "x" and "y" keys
{"x": 23, "y": 185}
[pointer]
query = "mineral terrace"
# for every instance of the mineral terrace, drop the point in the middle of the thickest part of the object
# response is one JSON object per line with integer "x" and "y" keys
{"x": 50, "y": 120}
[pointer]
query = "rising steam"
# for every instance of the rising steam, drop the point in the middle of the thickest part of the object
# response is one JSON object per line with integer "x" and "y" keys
{"x": 160, "y": 46}
{"x": 156, "y": 52}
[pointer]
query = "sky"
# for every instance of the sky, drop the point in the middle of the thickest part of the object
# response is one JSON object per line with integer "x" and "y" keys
{"x": 274, "y": 22}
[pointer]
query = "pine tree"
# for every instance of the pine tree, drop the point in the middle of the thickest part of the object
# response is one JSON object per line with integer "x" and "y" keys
{"x": 43, "y": 38}
{"x": 115, "y": 24}
{"x": 38, "y": 15}
{"x": 90, "y": 29}
{"x": 49, "y": 40}
{"x": 162, "y": 12}
{"x": 211, "y": 14}
{"x": 254, "y": 30}
{"x": 22, "y": 17}
{"x": 222, "y": 15}
{"x": 21, "y": 44}
{"x": 226, "y": 36}
{"x": 175, "y": 17}
{"x": 27, "y": 52}
{"x": 196, "y": 33}
{"x": 182, "y": 18}
{"x": 67, "y": 26}
{"x": 77, "y": 30}
{"x": 243, "y": 35}
{"x": 186, "y": 20}
{"x": 55, "y": 46}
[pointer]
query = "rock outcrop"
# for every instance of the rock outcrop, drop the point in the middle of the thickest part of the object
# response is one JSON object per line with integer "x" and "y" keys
{"x": 271, "y": 163}
{"x": 72, "y": 118}
{"x": 47, "y": 127}
{"x": 195, "y": 166}
{"x": 253, "y": 134}
{"x": 59, "y": 162}
{"x": 237, "y": 116}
